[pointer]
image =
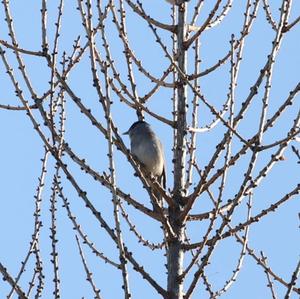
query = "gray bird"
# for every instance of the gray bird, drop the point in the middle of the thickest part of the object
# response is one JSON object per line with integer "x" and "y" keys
{"x": 147, "y": 148}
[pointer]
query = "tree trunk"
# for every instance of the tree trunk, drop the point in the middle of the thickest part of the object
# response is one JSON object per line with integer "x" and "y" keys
{"x": 175, "y": 263}
{"x": 175, "y": 252}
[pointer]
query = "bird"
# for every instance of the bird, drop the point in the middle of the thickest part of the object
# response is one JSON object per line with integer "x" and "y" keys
{"x": 148, "y": 149}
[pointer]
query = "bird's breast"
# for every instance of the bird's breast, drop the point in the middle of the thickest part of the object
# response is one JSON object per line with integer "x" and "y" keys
{"x": 149, "y": 154}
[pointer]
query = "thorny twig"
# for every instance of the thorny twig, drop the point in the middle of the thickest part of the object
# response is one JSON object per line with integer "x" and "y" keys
{"x": 109, "y": 84}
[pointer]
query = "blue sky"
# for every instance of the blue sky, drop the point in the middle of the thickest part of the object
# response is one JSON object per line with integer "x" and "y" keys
{"x": 276, "y": 235}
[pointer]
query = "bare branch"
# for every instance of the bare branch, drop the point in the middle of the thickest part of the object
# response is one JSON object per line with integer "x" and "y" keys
{"x": 87, "y": 271}
{"x": 7, "y": 277}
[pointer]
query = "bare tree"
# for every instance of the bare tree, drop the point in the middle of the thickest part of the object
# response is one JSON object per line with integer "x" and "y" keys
{"x": 226, "y": 128}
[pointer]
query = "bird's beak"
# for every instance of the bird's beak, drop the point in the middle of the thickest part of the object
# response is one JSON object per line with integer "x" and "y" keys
{"x": 126, "y": 133}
